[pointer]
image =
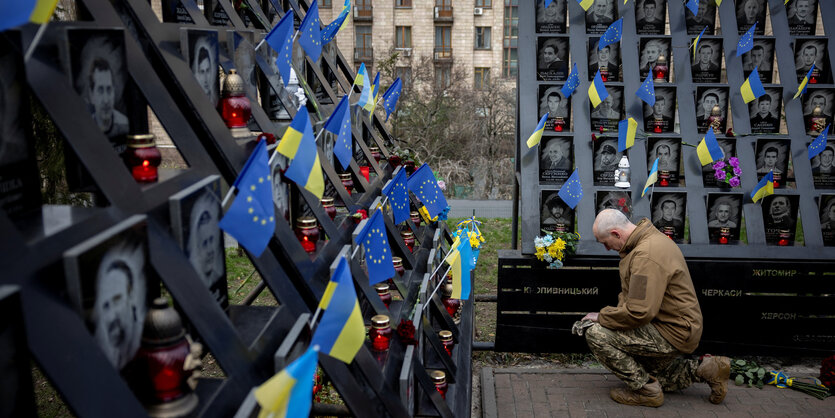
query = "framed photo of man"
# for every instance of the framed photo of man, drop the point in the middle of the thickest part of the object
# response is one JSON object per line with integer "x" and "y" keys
{"x": 607, "y": 60}
{"x": 606, "y": 159}
{"x": 600, "y": 15}
{"x": 749, "y": 12}
{"x": 826, "y": 207}
{"x": 609, "y": 112}
{"x": 761, "y": 57}
{"x": 244, "y": 59}
{"x": 817, "y": 109}
{"x": 708, "y": 173}
{"x": 803, "y": 16}
{"x": 614, "y": 199}
{"x": 765, "y": 111}
{"x": 706, "y": 17}
{"x": 200, "y": 48}
{"x": 555, "y": 160}
{"x": 668, "y": 151}
{"x": 551, "y": 19}
{"x": 707, "y": 100}
{"x": 724, "y": 217}
{"x": 552, "y": 60}
{"x": 773, "y": 155}
{"x": 555, "y": 215}
{"x": 823, "y": 167}
{"x": 808, "y": 52}
{"x": 780, "y": 218}
{"x": 707, "y": 67}
{"x": 668, "y": 213}
{"x": 650, "y": 17}
{"x": 651, "y": 50}
{"x": 660, "y": 117}
{"x": 551, "y": 101}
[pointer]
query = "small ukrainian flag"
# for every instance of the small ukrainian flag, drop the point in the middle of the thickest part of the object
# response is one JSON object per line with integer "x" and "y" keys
{"x": 752, "y": 88}
{"x": 536, "y": 136}
{"x": 709, "y": 149}
{"x": 597, "y": 91}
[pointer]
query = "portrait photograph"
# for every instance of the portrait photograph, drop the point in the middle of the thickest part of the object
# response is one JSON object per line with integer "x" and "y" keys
{"x": 201, "y": 50}
{"x": 244, "y": 55}
{"x": 607, "y": 60}
{"x": 551, "y": 101}
{"x": 660, "y": 117}
{"x": 761, "y": 57}
{"x": 551, "y": 19}
{"x": 773, "y": 155}
{"x": 724, "y": 215}
{"x": 780, "y": 217}
{"x": 823, "y": 169}
{"x": 271, "y": 77}
{"x": 749, "y": 12}
{"x": 728, "y": 146}
{"x": 328, "y": 141}
{"x": 281, "y": 187}
{"x": 552, "y": 60}
{"x": 651, "y": 49}
{"x": 707, "y": 67}
{"x": 817, "y": 109}
{"x": 668, "y": 151}
{"x": 609, "y": 112}
{"x": 195, "y": 213}
{"x": 708, "y": 98}
{"x": 650, "y": 16}
{"x": 614, "y": 199}
{"x": 600, "y": 15}
{"x": 808, "y": 52}
{"x": 765, "y": 111}
{"x": 555, "y": 215}
{"x": 555, "y": 160}
{"x": 826, "y": 207}
{"x": 107, "y": 281}
{"x": 606, "y": 159}
{"x": 706, "y": 17}
{"x": 668, "y": 213}
{"x": 803, "y": 16}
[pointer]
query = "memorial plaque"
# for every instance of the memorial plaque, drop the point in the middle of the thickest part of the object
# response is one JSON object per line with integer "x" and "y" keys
{"x": 765, "y": 111}
{"x": 761, "y": 57}
{"x": 773, "y": 155}
{"x": 217, "y": 16}
{"x": 749, "y": 12}
{"x": 174, "y": 11}
{"x": 201, "y": 49}
{"x": 551, "y": 19}
{"x": 724, "y": 216}
{"x": 827, "y": 216}
{"x": 650, "y": 16}
{"x": 609, "y": 112}
{"x": 808, "y": 52}
{"x": 552, "y": 60}
{"x": 707, "y": 98}
{"x": 555, "y": 161}
{"x": 802, "y": 16}
{"x": 707, "y": 67}
{"x": 607, "y": 60}
{"x": 660, "y": 117}
{"x": 600, "y": 15}
{"x": 614, "y": 199}
{"x": 668, "y": 212}
{"x": 668, "y": 151}
{"x": 708, "y": 173}
{"x": 823, "y": 170}
{"x": 651, "y": 49}
{"x": 244, "y": 55}
{"x": 780, "y": 218}
{"x": 817, "y": 99}
{"x": 606, "y": 159}
{"x": 551, "y": 101}
{"x": 555, "y": 214}
{"x": 705, "y": 18}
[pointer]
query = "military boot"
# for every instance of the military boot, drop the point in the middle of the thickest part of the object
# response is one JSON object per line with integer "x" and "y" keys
{"x": 715, "y": 371}
{"x": 649, "y": 395}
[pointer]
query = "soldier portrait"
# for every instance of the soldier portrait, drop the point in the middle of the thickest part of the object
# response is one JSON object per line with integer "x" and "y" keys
{"x": 707, "y": 66}
{"x": 202, "y": 55}
{"x": 749, "y": 12}
{"x": 281, "y": 187}
{"x": 773, "y": 155}
{"x": 660, "y": 117}
{"x": 651, "y": 50}
{"x": 245, "y": 62}
{"x": 607, "y": 60}
{"x": 667, "y": 151}
{"x": 780, "y": 218}
{"x": 724, "y": 211}
{"x": 606, "y": 159}
{"x": 609, "y": 112}
{"x": 600, "y": 15}
{"x": 808, "y": 52}
{"x": 803, "y": 15}
{"x": 728, "y": 146}
{"x": 551, "y": 101}
{"x": 555, "y": 215}
{"x": 552, "y": 60}
{"x": 706, "y": 17}
{"x": 552, "y": 18}
{"x": 826, "y": 207}
{"x": 817, "y": 109}
{"x": 708, "y": 98}
{"x": 650, "y": 16}
{"x": 614, "y": 199}
{"x": 761, "y": 57}
{"x": 555, "y": 160}
{"x": 765, "y": 112}
{"x": 823, "y": 167}
{"x": 668, "y": 212}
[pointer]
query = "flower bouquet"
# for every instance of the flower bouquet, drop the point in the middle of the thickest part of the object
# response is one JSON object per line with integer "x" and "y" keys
{"x": 554, "y": 246}
{"x": 727, "y": 172}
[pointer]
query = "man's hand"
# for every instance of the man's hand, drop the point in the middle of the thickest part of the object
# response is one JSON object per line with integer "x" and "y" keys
{"x": 591, "y": 316}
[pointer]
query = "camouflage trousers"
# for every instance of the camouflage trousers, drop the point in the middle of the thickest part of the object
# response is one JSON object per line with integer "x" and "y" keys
{"x": 634, "y": 355}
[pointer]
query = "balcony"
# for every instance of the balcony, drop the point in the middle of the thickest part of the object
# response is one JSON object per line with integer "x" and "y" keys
{"x": 364, "y": 54}
{"x": 364, "y": 13}
{"x": 443, "y": 53}
{"x": 443, "y": 13}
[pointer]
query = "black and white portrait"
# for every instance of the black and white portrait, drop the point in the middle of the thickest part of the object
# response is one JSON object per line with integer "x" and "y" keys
{"x": 328, "y": 141}
{"x": 606, "y": 159}
{"x": 552, "y": 61}
{"x": 555, "y": 160}
{"x": 651, "y": 50}
{"x": 817, "y": 109}
{"x": 728, "y": 146}
{"x": 668, "y": 212}
{"x": 749, "y": 12}
{"x": 607, "y": 60}
{"x": 555, "y": 215}
{"x": 803, "y": 15}
{"x": 780, "y": 218}
{"x": 724, "y": 211}
{"x": 552, "y": 18}
{"x": 195, "y": 213}
{"x": 707, "y": 100}
{"x": 660, "y": 117}
{"x": 707, "y": 66}
{"x": 667, "y": 151}
{"x": 614, "y": 199}
{"x": 650, "y": 16}
{"x": 107, "y": 281}
{"x": 245, "y": 61}
{"x": 761, "y": 57}
{"x": 600, "y": 15}
{"x": 823, "y": 169}
{"x": 551, "y": 101}
{"x": 765, "y": 111}
{"x": 773, "y": 155}
{"x": 808, "y": 52}
{"x": 826, "y": 206}
{"x": 706, "y": 17}
{"x": 281, "y": 187}
{"x": 202, "y": 53}
{"x": 609, "y": 112}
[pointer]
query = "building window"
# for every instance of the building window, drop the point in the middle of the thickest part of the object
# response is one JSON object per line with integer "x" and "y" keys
{"x": 483, "y": 3}
{"x": 482, "y": 78}
{"x": 482, "y": 37}
{"x": 403, "y": 3}
{"x": 405, "y": 74}
{"x": 443, "y": 76}
{"x": 326, "y": 4}
{"x": 443, "y": 42}
{"x": 510, "y": 59}
{"x": 362, "y": 48}
{"x": 403, "y": 37}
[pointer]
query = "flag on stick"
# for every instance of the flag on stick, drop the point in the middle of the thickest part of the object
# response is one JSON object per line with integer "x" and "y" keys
{"x": 290, "y": 392}
{"x": 651, "y": 178}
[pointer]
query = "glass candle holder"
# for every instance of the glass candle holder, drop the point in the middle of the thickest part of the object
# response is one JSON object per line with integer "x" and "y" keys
{"x": 450, "y": 304}
{"x": 724, "y": 235}
{"x": 143, "y": 158}
{"x": 234, "y": 107}
{"x": 408, "y": 239}
{"x": 664, "y": 178}
{"x": 307, "y": 232}
{"x": 375, "y": 152}
{"x": 410, "y": 166}
{"x": 658, "y": 125}
{"x": 366, "y": 172}
{"x": 604, "y": 73}
{"x": 446, "y": 341}
{"x": 783, "y": 239}
{"x": 415, "y": 216}
{"x": 814, "y": 78}
{"x": 347, "y": 182}
{"x": 817, "y": 122}
{"x": 380, "y": 333}
{"x": 398, "y": 266}
{"x": 439, "y": 379}
{"x": 669, "y": 231}
{"x": 659, "y": 72}
{"x": 715, "y": 120}
{"x": 383, "y": 292}
{"x": 559, "y": 123}
{"x": 777, "y": 179}
{"x": 330, "y": 209}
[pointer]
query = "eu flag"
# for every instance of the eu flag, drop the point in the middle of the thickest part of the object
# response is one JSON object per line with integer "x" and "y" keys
{"x": 391, "y": 95}
{"x": 299, "y": 144}
{"x": 818, "y": 144}
{"x": 801, "y": 88}
{"x": 612, "y": 34}
{"x": 647, "y": 90}
{"x": 746, "y": 41}
{"x": 251, "y": 218}
{"x": 693, "y": 5}
{"x": 764, "y": 188}
{"x": 627, "y": 129}
{"x": 398, "y": 195}
{"x": 280, "y": 39}
{"x": 290, "y": 392}
{"x": 14, "y": 13}
{"x": 752, "y": 88}
{"x": 339, "y": 124}
{"x": 571, "y": 82}
{"x": 330, "y": 31}
{"x": 341, "y": 331}
{"x": 310, "y": 35}
{"x": 377, "y": 250}
{"x": 572, "y": 191}
{"x": 597, "y": 91}
{"x": 425, "y": 186}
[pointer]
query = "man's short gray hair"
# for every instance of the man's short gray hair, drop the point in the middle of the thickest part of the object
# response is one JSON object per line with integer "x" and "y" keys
{"x": 609, "y": 219}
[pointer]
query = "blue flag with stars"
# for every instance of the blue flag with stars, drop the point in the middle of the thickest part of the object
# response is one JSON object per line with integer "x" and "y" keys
{"x": 425, "y": 186}
{"x": 280, "y": 39}
{"x": 330, "y": 31}
{"x": 571, "y": 83}
{"x": 693, "y": 5}
{"x": 612, "y": 34}
{"x": 251, "y": 218}
{"x": 339, "y": 124}
{"x": 391, "y": 95}
{"x": 647, "y": 90}
{"x": 310, "y": 35}
{"x": 377, "y": 250}
{"x": 818, "y": 144}
{"x": 572, "y": 191}
{"x": 398, "y": 196}
{"x": 746, "y": 41}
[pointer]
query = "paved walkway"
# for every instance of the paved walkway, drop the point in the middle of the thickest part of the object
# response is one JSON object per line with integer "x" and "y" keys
{"x": 518, "y": 393}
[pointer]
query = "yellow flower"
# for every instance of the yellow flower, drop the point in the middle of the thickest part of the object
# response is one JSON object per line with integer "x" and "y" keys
{"x": 552, "y": 250}
{"x": 540, "y": 253}
{"x": 560, "y": 244}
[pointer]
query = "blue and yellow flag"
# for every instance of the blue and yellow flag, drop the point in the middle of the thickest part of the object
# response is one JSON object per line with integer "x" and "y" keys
{"x": 709, "y": 149}
{"x": 627, "y": 129}
{"x": 536, "y": 136}
{"x": 251, "y": 218}
{"x": 377, "y": 249}
{"x": 330, "y": 31}
{"x": 310, "y": 34}
{"x": 597, "y": 91}
{"x": 375, "y": 93}
{"x": 571, "y": 82}
{"x": 764, "y": 188}
{"x": 548, "y": 3}
{"x": 817, "y": 146}
{"x": 362, "y": 75}
{"x": 612, "y": 34}
{"x": 280, "y": 39}
{"x": 696, "y": 43}
{"x": 398, "y": 195}
{"x": 391, "y": 96}
{"x": 299, "y": 145}
{"x": 14, "y": 13}
{"x": 804, "y": 83}
{"x": 647, "y": 90}
{"x": 746, "y": 41}
{"x": 718, "y": 2}
{"x": 290, "y": 392}
{"x": 585, "y": 4}
{"x": 693, "y": 5}
{"x": 425, "y": 186}
{"x": 339, "y": 124}
{"x": 341, "y": 331}
{"x": 572, "y": 191}
{"x": 363, "y": 80}
{"x": 752, "y": 88}
{"x": 651, "y": 178}
{"x": 461, "y": 262}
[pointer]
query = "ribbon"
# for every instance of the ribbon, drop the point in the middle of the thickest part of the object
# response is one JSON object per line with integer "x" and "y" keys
{"x": 782, "y": 381}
